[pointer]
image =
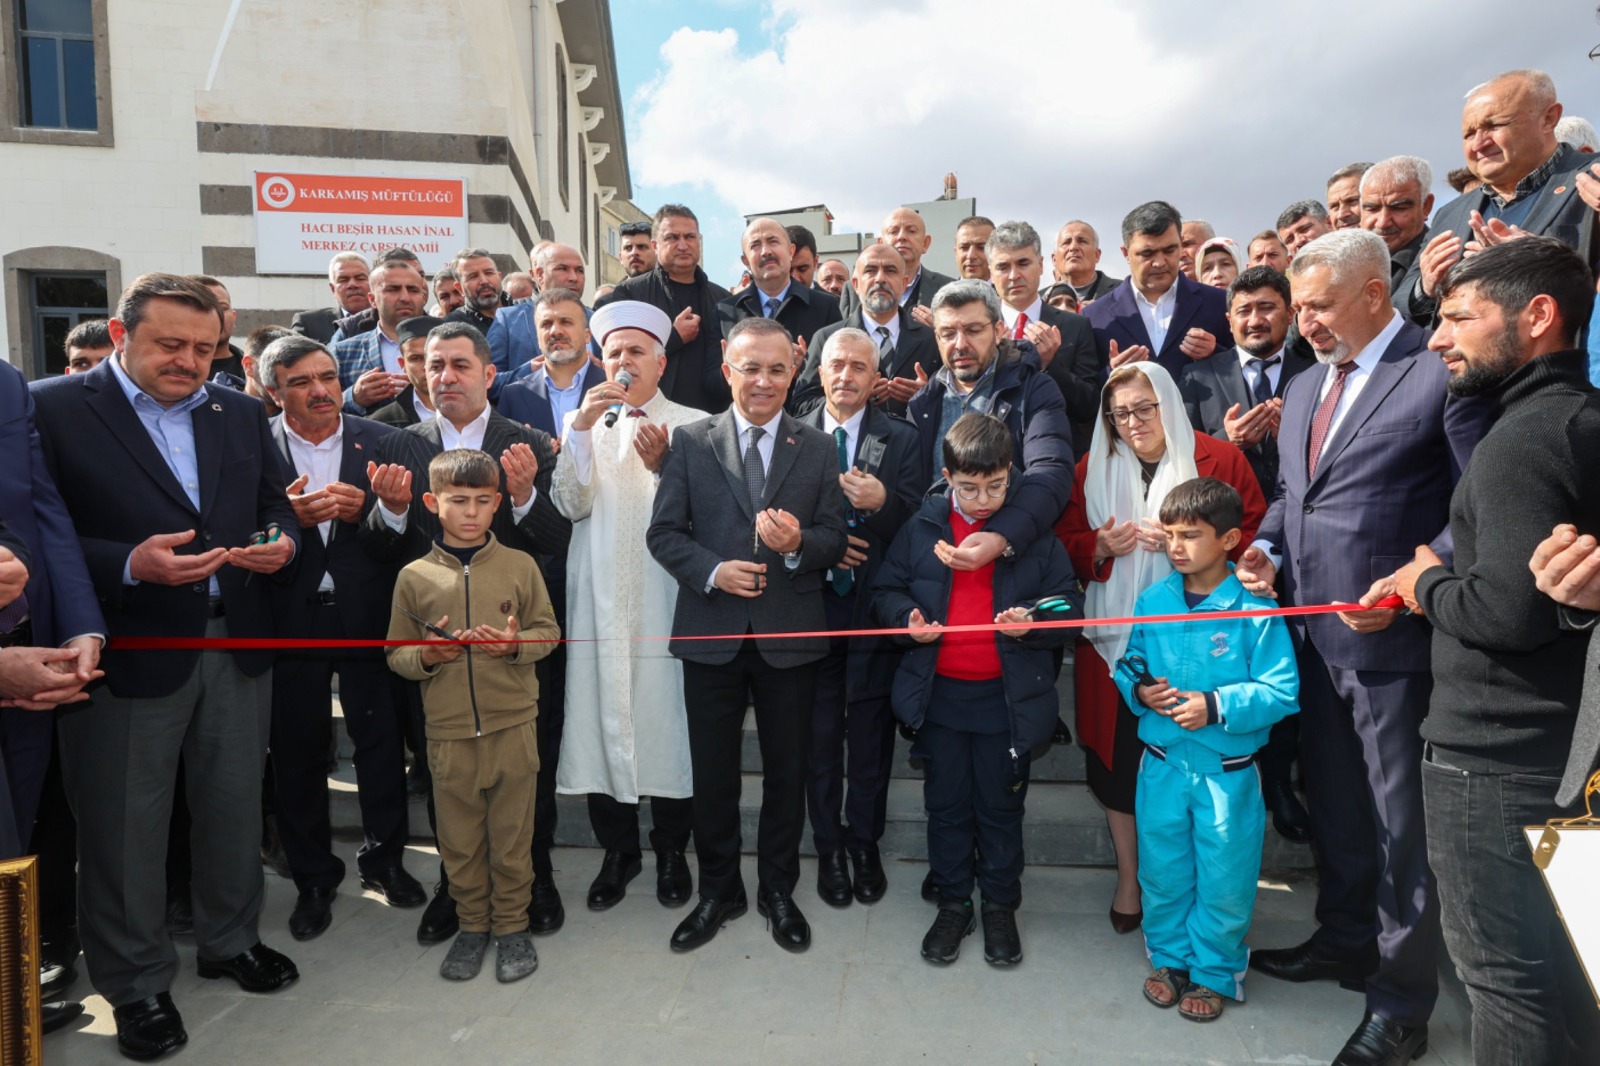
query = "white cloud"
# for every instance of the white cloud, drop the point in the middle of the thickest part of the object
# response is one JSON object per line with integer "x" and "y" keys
{"x": 1048, "y": 110}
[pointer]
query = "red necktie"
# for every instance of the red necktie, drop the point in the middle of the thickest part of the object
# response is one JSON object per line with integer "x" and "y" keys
{"x": 1022, "y": 324}
{"x": 637, "y": 412}
{"x": 1324, "y": 416}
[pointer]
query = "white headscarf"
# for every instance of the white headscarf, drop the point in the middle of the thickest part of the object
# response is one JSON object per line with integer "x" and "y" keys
{"x": 1114, "y": 488}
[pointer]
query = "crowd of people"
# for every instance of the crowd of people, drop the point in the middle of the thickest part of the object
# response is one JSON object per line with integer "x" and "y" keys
{"x": 1371, "y": 404}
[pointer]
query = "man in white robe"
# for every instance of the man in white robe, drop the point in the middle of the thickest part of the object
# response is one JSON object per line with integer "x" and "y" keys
{"x": 626, "y": 733}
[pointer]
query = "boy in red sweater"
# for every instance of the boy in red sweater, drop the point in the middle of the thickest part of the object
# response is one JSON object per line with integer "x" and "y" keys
{"x": 982, "y": 701}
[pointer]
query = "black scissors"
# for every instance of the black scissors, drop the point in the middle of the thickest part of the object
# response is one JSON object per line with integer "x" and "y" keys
{"x": 429, "y": 626}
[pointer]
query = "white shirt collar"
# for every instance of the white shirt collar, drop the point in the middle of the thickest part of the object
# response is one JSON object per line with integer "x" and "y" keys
{"x": 1165, "y": 302}
{"x": 743, "y": 424}
{"x": 424, "y": 412}
{"x": 852, "y": 425}
{"x": 912, "y": 284}
{"x": 470, "y": 436}
{"x": 1245, "y": 358}
{"x": 1368, "y": 357}
{"x": 1033, "y": 311}
{"x": 331, "y": 442}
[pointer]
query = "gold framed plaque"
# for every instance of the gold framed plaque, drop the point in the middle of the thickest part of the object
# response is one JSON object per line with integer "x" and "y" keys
{"x": 1567, "y": 853}
{"x": 21, "y": 1037}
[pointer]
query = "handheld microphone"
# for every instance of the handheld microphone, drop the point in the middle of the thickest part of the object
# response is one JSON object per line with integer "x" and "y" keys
{"x": 624, "y": 379}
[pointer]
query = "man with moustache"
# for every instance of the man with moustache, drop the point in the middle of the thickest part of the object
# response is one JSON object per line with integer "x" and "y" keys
{"x": 852, "y": 726}
{"x": 833, "y": 277}
{"x": 1195, "y": 232}
{"x": 1369, "y": 451}
{"x": 514, "y": 336}
{"x": 972, "y": 237}
{"x": 748, "y": 518}
{"x": 1395, "y": 204}
{"x": 1344, "y": 195}
{"x": 479, "y": 278}
{"x": 347, "y": 280}
{"x": 1301, "y": 223}
{"x": 364, "y": 321}
{"x": 905, "y": 231}
{"x": 1157, "y": 313}
{"x": 1267, "y": 249}
{"x": 773, "y": 292}
{"x": 412, "y": 405}
{"x": 680, "y": 288}
{"x": 907, "y": 352}
{"x": 1077, "y": 262}
{"x": 370, "y": 364}
{"x": 340, "y": 591}
{"x": 625, "y": 736}
{"x": 544, "y": 398}
{"x": 635, "y": 252}
{"x": 446, "y": 293}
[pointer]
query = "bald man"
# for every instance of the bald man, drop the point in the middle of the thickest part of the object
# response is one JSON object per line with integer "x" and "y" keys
{"x": 1077, "y": 261}
{"x": 1508, "y": 134}
{"x": 768, "y": 254}
{"x": 907, "y": 232}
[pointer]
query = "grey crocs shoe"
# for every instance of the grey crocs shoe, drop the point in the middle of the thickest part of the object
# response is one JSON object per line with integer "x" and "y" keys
{"x": 514, "y": 957}
{"x": 465, "y": 958}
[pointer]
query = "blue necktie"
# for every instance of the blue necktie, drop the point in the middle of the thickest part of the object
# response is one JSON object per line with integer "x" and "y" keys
{"x": 1263, "y": 387}
{"x": 772, "y": 307}
{"x": 843, "y": 577}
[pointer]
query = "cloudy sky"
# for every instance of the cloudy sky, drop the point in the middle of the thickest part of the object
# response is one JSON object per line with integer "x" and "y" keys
{"x": 1049, "y": 109}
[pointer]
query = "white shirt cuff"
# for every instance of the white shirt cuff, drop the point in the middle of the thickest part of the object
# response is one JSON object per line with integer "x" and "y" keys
{"x": 519, "y": 513}
{"x": 1271, "y": 552}
{"x": 396, "y": 522}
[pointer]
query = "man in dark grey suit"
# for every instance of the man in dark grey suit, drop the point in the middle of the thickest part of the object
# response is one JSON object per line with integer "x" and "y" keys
{"x": 1369, "y": 451}
{"x": 1237, "y": 396}
{"x": 748, "y": 518}
{"x": 905, "y": 345}
{"x": 852, "y": 727}
{"x": 459, "y": 371}
{"x": 1064, "y": 340}
{"x": 1531, "y": 184}
{"x": 907, "y": 233}
{"x": 347, "y": 280}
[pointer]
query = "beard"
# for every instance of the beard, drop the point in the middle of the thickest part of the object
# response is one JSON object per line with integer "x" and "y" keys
{"x": 878, "y": 301}
{"x": 1341, "y": 353}
{"x": 562, "y": 356}
{"x": 1259, "y": 347}
{"x": 1489, "y": 371}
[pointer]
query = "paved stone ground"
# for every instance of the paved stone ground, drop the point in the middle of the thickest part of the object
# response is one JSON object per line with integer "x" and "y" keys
{"x": 608, "y": 991}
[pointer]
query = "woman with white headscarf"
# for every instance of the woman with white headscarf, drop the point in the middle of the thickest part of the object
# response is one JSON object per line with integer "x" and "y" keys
{"x": 1143, "y": 447}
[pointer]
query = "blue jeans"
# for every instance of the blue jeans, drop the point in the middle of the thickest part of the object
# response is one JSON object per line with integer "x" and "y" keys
{"x": 1529, "y": 997}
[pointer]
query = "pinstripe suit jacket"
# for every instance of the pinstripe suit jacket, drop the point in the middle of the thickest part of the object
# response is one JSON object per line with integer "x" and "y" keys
{"x": 1382, "y": 487}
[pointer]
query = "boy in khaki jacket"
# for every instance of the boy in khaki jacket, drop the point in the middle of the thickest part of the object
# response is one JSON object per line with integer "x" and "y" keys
{"x": 480, "y": 701}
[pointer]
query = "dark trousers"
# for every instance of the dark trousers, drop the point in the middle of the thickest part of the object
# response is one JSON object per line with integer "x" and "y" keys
{"x": 1529, "y": 997}
{"x": 302, "y": 727}
{"x": 616, "y": 824}
{"x": 1362, "y": 757}
{"x": 851, "y": 740}
{"x": 26, "y": 738}
{"x": 552, "y": 674}
{"x": 119, "y": 761}
{"x": 971, "y": 806}
{"x": 55, "y": 842}
{"x": 717, "y": 698}
{"x": 1277, "y": 755}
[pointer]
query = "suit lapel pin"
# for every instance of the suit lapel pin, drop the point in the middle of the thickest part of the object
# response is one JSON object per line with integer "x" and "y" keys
{"x": 358, "y": 446}
{"x": 216, "y": 407}
{"x": 788, "y": 440}
{"x": 1560, "y": 189}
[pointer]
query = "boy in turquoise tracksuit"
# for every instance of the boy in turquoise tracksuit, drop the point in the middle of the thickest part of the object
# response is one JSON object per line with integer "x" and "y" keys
{"x": 1206, "y": 695}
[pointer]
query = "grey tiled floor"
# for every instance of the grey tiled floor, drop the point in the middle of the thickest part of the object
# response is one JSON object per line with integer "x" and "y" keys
{"x": 609, "y": 992}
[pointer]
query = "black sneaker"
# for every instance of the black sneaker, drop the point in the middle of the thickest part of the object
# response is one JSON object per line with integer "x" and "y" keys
{"x": 1002, "y": 944}
{"x": 942, "y": 945}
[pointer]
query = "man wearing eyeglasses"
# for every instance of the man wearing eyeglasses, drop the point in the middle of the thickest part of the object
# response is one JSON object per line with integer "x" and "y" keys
{"x": 748, "y": 519}
{"x": 984, "y": 371}
{"x": 637, "y": 255}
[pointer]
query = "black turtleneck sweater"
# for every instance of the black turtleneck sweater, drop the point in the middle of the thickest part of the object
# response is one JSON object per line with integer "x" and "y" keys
{"x": 1507, "y": 678}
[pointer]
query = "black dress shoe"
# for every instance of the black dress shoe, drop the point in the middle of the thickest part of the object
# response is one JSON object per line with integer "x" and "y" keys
{"x": 789, "y": 927}
{"x": 674, "y": 883}
{"x": 870, "y": 882}
{"x": 706, "y": 920}
{"x": 398, "y": 888}
{"x": 906, "y": 731}
{"x": 833, "y": 879}
{"x": 59, "y": 1015}
{"x": 259, "y": 969}
{"x": 418, "y": 781}
{"x": 439, "y": 920}
{"x": 180, "y": 916}
{"x": 312, "y": 914}
{"x": 1379, "y": 1042}
{"x": 545, "y": 912}
{"x": 1289, "y": 816}
{"x": 1309, "y": 962}
{"x": 149, "y": 1028}
{"x": 57, "y": 971}
{"x": 1062, "y": 734}
{"x": 611, "y": 883}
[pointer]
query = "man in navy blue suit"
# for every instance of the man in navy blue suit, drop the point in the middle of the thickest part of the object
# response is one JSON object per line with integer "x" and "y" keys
{"x": 1157, "y": 313}
{"x": 174, "y": 492}
{"x": 1370, "y": 448}
{"x": 514, "y": 338}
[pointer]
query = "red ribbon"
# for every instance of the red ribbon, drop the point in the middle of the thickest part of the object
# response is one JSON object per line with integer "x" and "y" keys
{"x": 297, "y": 644}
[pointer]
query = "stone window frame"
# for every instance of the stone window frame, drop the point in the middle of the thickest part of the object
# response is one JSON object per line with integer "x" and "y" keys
{"x": 20, "y": 266}
{"x": 11, "y": 127}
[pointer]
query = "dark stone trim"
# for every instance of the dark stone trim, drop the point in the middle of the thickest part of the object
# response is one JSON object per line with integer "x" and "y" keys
{"x": 224, "y": 262}
{"x": 226, "y": 200}
{"x": 547, "y": 232}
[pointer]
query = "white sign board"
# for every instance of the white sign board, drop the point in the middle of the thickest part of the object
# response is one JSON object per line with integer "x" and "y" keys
{"x": 302, "y": 220}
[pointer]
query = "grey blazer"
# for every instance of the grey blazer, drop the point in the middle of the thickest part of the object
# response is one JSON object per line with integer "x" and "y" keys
{"x": 703, "y": 516}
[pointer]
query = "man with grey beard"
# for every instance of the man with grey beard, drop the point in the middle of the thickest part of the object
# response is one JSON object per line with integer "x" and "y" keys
{"x": 907, "y": 353}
